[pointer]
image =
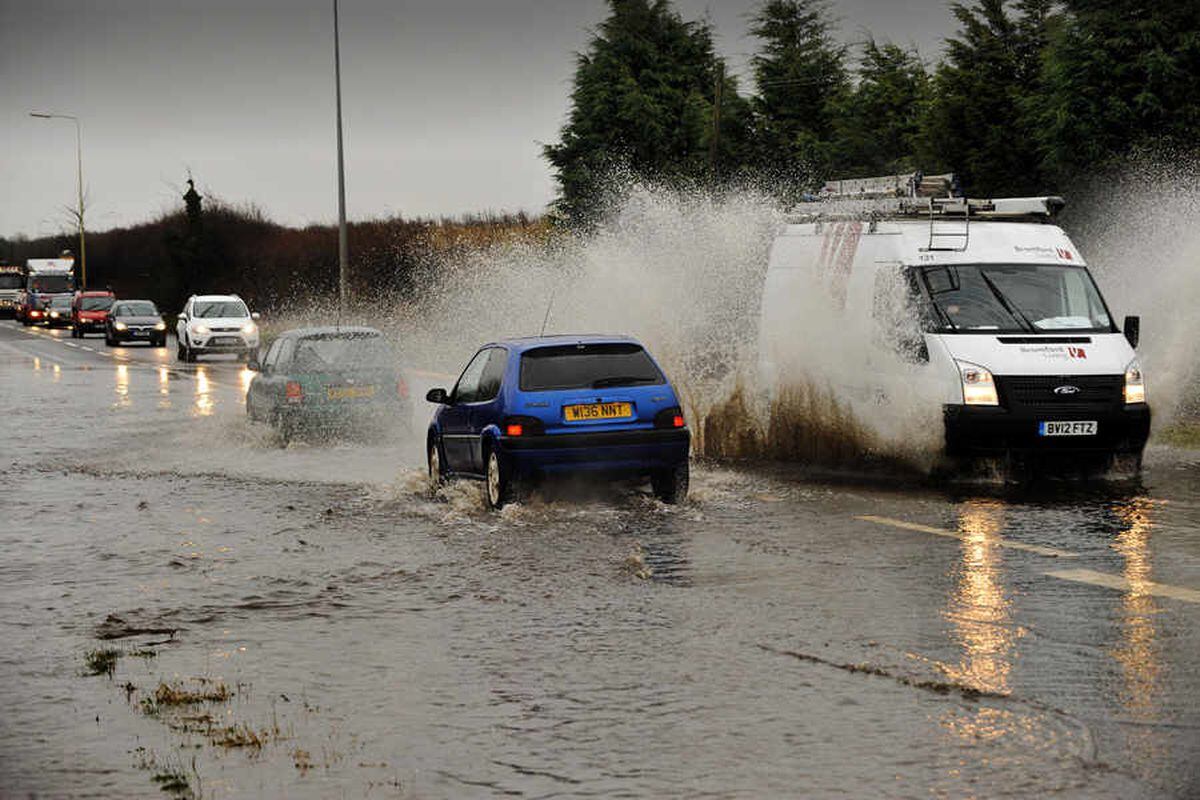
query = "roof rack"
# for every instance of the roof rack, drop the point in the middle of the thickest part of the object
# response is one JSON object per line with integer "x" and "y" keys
{"x": 918, "y": 195}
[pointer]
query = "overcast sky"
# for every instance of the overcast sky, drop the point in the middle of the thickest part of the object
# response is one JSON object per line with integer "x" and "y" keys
{"x": 445, "y": 101}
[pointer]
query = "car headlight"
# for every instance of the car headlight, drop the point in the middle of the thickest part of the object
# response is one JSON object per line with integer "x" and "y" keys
{"x": 249, "y": 327}
{"x": 1135, "y": 384}
{"x": 160, "y": 326}
{"x": 120, "y": 326}
{"x": 978, "y": 386}
{"x": 54, "y": 314}
{"x": 200, "y": 329}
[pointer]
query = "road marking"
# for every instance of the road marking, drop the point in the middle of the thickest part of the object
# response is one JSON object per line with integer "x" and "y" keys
{"x": 70, "y": 344}
{"x": 1125, "y": 585}
{"x": 1052, "y": 552}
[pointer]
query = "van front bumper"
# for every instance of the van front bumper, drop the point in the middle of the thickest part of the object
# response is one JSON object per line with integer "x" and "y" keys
{"x": 629, "y": 452}
{"x": 990, "y": 430}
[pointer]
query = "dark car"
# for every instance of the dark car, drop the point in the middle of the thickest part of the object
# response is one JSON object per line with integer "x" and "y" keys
{"x": 524, "y": 409}
{"x": 135, "y": 321}
{"x": 58, "y": 312}
{"x": 328, "y": 380}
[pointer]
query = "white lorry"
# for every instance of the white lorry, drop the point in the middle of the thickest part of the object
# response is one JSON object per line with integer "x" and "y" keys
{"x": 978, "y": 317}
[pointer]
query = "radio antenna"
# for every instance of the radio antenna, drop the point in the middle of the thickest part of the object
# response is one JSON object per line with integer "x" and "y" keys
{"x": 549, "y": 305}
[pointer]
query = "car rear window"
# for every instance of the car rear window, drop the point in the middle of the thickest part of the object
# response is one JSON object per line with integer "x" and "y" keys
{"x": 587, "y": 366}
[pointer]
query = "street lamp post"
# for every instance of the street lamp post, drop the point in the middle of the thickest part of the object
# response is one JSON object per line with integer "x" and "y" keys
{"x": 79, "y": 175}
{"x": 343, "y": 247}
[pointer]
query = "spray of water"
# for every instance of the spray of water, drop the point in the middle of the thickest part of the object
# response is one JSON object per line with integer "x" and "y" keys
{"x": 683, "y": 271}
{"x": 1138, "y": 229}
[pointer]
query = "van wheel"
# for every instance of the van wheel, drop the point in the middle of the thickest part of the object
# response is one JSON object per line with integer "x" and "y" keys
{"x": 500, "y": 486}
{"x": 671, "y": 485}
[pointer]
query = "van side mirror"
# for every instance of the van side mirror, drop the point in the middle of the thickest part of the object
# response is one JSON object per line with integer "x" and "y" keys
{"x": 438, "y": 396}
{"x": 255, "y": 315}
{"x": 1133, "y": 330}
{"x": 252, "y": 363}
{"x": 182, "y": 316}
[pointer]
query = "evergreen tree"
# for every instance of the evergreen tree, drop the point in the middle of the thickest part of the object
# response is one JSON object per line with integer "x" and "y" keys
{"x": 1119, "y": 73}
{"x": 878, "y": 122}
{"x": 978, "y": 123}
{"x": 643, "y": 98}
{"x": 800, "y": 73}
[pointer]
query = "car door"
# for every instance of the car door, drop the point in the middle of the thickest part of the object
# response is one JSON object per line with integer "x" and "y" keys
{"x": 455, "y": 419}
{"x": 261, "y": 397}
{"x": 486, "y": 408}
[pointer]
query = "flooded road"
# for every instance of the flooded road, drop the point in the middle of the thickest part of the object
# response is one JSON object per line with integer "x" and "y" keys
{"x": 308, "y": 622}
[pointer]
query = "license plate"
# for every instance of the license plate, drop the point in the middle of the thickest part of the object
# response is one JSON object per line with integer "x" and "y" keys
{"x": 349, "y": 392}
{"x": 140, "y": 333}
{"x": 597, "y": 411}
{"x": 1075, "y": 428}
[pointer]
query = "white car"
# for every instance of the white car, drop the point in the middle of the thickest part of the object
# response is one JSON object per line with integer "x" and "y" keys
{"x": 216, "y": 323}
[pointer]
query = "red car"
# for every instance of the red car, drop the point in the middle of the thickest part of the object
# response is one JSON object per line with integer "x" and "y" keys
{"x": 89, "y": 312}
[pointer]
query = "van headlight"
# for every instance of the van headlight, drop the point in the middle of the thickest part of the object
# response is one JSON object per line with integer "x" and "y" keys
{"x": 202, "y": 330}
{"x": 249, "y": 327}
{"x": 978, "y": 386}
{"x": 1135, "y": 384}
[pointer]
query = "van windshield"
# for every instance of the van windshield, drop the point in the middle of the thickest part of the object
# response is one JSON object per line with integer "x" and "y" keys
{"x": 1015, "y": 298}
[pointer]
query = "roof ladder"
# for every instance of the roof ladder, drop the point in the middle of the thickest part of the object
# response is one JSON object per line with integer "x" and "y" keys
{"x": 947, "y": 233}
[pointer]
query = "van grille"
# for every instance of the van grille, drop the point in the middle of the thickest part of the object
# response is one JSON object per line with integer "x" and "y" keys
{"x": 1037, "y": 392}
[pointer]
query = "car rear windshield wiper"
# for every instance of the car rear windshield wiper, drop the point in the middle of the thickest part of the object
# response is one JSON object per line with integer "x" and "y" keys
{"x": 1009, "y": 307}
{"x": 621, "y": 380}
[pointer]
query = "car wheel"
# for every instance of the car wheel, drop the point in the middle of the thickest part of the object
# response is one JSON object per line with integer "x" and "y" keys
{"x": 180, "y": 353}
{"x": 500, "y": 488}
{"x": 285, "y": 429}
{"x": 108, "y": 340}
{"x": 437, "y": 473}
{"x": 671, "y": 485}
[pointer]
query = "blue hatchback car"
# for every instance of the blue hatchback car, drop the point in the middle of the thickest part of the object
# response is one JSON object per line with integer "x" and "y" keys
{"x": 527, "y": 408}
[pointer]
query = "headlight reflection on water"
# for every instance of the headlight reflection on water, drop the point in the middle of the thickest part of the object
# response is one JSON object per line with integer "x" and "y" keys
{"x": 123, "y": 398}
{"x": 203, "y": 406}
{"x": 164, "y": 387}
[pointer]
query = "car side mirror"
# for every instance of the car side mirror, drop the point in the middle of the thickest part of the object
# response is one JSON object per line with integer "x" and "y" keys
{"x": 1133, "y": 330}
{"x": 255, "y": 316}
{"x": 438, "y": 396}
{"x": 252, "y": 363}
{"x": 182, "y": 317}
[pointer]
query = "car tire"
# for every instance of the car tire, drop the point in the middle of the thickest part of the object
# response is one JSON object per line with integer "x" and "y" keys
{"x": 108, "y": 340}
{"x": 499, "y": 487}
{"x": 285, "y": 429}
{"x": 437, "y": 470}
{"x": 180, "y": 353}
{"x": 671, "y": 485}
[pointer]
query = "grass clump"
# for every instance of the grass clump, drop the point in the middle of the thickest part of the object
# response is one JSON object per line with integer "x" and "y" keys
{"x": 175, "y": 695}
{"x": 101, "y": 662}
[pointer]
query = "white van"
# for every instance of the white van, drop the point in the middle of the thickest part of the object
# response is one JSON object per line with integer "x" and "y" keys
{"x": 981, "y": 314}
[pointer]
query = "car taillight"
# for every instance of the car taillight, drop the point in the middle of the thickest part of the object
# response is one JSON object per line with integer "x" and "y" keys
{"x": 401, "y": 389}
{"x": 294, "y": 393}
{"x": 522, "y": 426}
{"x": 670, "y": 418}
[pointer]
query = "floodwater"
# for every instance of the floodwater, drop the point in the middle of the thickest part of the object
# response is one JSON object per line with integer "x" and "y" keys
{"x": 343, "y": 634}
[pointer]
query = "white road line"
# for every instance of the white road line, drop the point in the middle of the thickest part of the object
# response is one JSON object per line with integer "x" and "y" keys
{"x": 1125, "y": 585}
{"x": 70, "y": 344}
{"x": 1052, "y": 552}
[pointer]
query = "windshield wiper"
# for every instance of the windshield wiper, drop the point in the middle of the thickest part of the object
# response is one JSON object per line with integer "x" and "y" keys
{"x": 1009, "y": 307}
{"x": 620, "y": 380}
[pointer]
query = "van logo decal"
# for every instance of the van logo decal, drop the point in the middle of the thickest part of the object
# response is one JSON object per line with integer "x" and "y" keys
{"x": 1076, "y": 352}
{"x": 1066, "y": 389}
{"x": 1064, "y": 254}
